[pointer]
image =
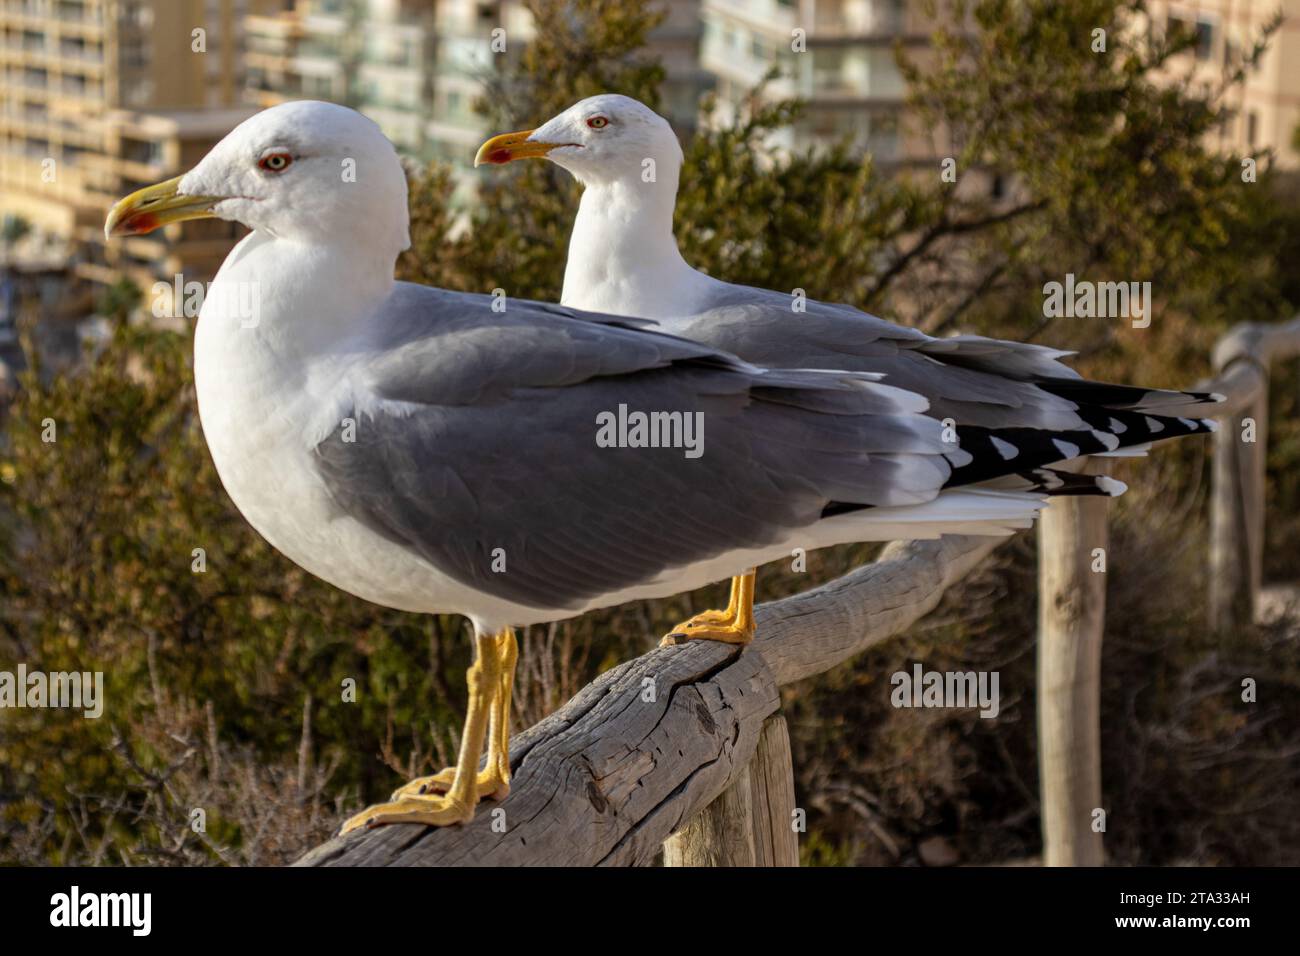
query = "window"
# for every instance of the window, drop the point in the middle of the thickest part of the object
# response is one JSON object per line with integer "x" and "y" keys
{"x": 1252, "y": 128}
{"x": 1204, "y": 39}
{"x": 1202, "y": 30}
{"x": 1230, "y": 53}
{"x": 141, "y": 151}
{"x": 891, "y": 16}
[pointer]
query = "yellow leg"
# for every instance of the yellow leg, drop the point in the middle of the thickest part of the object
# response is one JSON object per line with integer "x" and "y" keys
{"x": 493, "y": 780}
{"x": 735, "y": 625}
{"x": 497, "y": 770}
{"x": 457, "y": 805}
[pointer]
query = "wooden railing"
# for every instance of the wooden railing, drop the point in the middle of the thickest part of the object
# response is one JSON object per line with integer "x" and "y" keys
{"x": 1242, "y": 359}
{"x": 685, "y": 749}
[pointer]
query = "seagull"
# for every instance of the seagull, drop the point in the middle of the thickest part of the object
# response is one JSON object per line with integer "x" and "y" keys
{"x": 511, "y": 461}
{"x": 1010, "y": 401}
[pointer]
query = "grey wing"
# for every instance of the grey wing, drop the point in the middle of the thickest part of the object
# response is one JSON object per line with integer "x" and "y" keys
{"x": 971, "y": 379}
{"x": 481, "y": 433}
{"x": 974, "y": 380}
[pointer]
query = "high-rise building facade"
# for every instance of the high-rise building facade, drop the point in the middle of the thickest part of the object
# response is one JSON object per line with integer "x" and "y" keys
{"x": 417, "y": 67}
{"x": 372, "y": 55}
{"x": 98, "y": 97}
{"x": 1266, "y": 108}
{"x": 835, "y": 55}
{"x": 839, "y": 57}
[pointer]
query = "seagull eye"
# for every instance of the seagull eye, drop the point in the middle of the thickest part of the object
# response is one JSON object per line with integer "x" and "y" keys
{"x": 598, "y": 122}
{"x": 275, "y": 162}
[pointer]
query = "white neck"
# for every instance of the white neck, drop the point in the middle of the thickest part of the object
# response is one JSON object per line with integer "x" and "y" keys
{"x": 623, "y": 256}
{"x": 307, "y": 297}
{"x": 314, "y": 308}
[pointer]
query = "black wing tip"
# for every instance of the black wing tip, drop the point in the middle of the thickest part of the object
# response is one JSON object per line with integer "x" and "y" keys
{"x": 994, "y": 452}
{"x": 1136, "y": 398}
{"x": 1050, "y": 481}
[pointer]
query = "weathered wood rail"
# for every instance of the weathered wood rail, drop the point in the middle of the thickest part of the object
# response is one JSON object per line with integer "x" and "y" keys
{"x": 684, "y": 747}
{"x": 1242, "y": 359}
{"x": 638, "y": 752}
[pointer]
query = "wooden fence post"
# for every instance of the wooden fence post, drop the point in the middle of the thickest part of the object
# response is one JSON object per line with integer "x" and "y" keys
{"x": 1237, "y": 502}
{"x": 751, "y": 822}
{"x": 1071, "y": 620}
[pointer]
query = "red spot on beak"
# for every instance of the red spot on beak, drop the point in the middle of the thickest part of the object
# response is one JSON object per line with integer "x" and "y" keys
{"x": 140, "y": 223}
{"x": 499, "y": 157}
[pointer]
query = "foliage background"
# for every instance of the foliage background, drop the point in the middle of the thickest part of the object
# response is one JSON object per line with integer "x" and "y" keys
{"x": 225, "y": 686}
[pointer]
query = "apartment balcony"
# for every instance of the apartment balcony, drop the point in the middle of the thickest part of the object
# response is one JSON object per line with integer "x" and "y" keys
{"x": 853, "y": 75}
{"x": 29, "y": 89}
{"x": 26, "y": 54}
{"x": 460, "y": 22}
{"x": 271, "y": 62}
{"x": 30, "y": 45}
{"x": 47, "y": 129}
{"x": 859, "y": 19}
{"x": 37, "y": 9}
{"x": 73, "y": 91}
{"x": 283, "y": 28}
{"x": 741, "y": 66}
{"x": 871, "y": 132}
{"x": 138, "y": 172}
{"x": 26, "y": 112}
{"x": 73, "y": 188}
{"x": 73, "y": 18}
{"x": 83, "y": 65}
{"x": 73, "y": 58}
{"x": 826, "y": 22}
{"x": 11, "y": 10}
{"x": 769, "y": 17}
{"x": 322, "y": 24}
{"x": 76, "y": 10}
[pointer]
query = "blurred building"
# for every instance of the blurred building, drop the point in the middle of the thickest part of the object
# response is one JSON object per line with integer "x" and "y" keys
{"x": 836, "y": 55}
{"x": 416, "y": 67}
{"x": 372, "y": 55}
{"x": 100, "y": 97}
{"x": 1267, "y": 107}
{"x": 845, "y": 68}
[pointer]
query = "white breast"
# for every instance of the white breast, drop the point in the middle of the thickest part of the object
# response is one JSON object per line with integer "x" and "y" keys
{"x": 261, "y": 404}
{"x": 256, "y": 427}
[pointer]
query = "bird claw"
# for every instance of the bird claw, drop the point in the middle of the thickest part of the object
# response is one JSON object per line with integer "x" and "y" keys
{"x": 709, "y": 626}
{"x": 490, "y": 785}
{"x": 433, "y": 811}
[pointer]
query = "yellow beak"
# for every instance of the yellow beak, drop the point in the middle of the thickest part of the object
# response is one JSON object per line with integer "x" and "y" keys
{"x": 154, "y": 207}
{"x": 511, "y": 146}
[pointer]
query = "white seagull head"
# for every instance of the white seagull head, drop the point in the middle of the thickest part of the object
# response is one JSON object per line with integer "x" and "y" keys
{"x": 600, "y": 140}
{"x": 304, "y": 171}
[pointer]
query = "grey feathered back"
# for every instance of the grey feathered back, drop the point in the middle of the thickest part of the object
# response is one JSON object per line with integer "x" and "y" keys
{"x": 476, "y": 430}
